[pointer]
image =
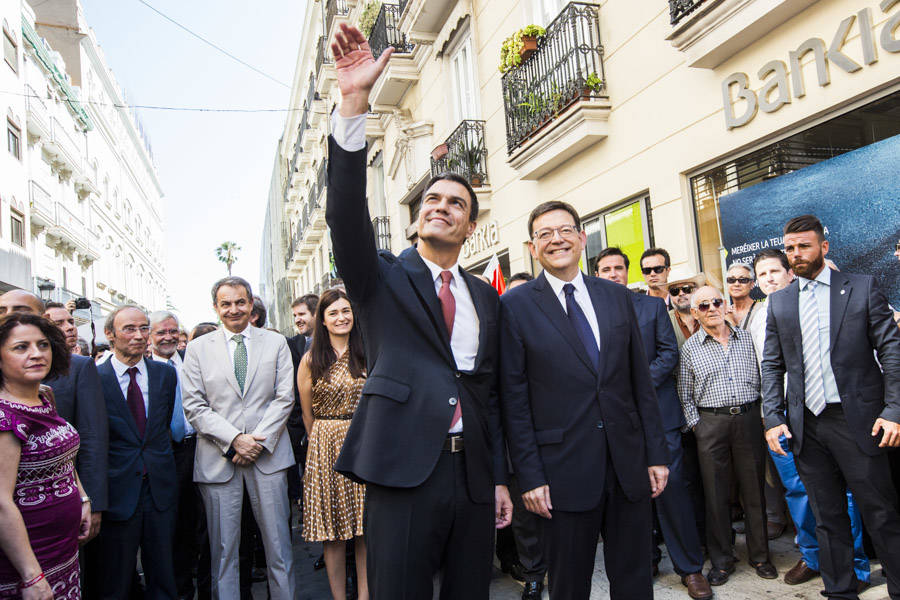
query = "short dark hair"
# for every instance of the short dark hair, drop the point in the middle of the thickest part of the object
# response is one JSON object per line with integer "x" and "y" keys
{"x": 232, "y": 282}
{"x": 59, "y": 349}
{"x": 456, "y": 178}
{"x": 613, "y": 251}
{"x": 771, "y": 253}
{"x": 656, "y": 252}
{"x": 310, "y": 300}
{"x": 49, "y": 305}
{"x": 110, "y": 323}
{"x": 521, "y": 276}
{"x": 545, "y": 207}
{"x": 805, "y": 223}
{"x": 259, "y": 311}
{"x": 202, "y": 329}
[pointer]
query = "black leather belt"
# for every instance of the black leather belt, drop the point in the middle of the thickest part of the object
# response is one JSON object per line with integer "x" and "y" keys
{"x": 729, "y": 410}
{"x": 454, "y": 443}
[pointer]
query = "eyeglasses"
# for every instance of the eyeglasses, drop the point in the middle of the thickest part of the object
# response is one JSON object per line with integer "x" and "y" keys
{"x": 657, "y": 270}
{"x": 741, "y": 280}
{"x": 684, "y": 289}
{"x": 546, "y": 234}
{"x": 131, "y": 329}
{"x": 167, "y": 332}
{"x": 704, "y": 306}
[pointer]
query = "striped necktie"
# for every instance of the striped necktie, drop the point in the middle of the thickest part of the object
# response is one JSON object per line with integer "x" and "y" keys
{"x": 812, "y": 355}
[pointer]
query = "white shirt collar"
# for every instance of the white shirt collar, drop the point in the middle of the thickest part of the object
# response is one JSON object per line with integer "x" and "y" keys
{"x": 824, "y": 277}
{"x": 229, "y": 335}
{"x": 557, "y": 284}
{"x": 436, "y": 270}
{"x": 120, "y": 368}
{"x": 176, "y": 358}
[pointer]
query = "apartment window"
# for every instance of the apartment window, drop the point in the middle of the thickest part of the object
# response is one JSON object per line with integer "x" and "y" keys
{"x": 378, "y": 186}
{"x": 17, "y": 228}
{"x": 465, "y": 88}
{"x": 14, "y": 140}
{"x": 10, "y": 48}
{"x": 543, "y": 11}
{"x": 626, "y": 226}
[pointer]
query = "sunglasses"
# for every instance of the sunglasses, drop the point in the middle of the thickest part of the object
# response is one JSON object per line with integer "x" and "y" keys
{"x": 741, "y": 280}
{"x": 685, "y": 289}
{"x": 704, "y": 306}
{"x": 657, "y": 270}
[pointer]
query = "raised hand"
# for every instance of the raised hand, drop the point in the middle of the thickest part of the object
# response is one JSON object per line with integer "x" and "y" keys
{"x": 357, "y": 70}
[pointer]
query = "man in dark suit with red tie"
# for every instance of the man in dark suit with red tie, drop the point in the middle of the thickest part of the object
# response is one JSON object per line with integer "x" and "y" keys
{"x": 426, "y": 438}
{"x": 583, "y": 425}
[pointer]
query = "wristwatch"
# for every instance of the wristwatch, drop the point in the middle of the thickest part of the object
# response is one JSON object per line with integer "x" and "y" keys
{"x": 85, "y": 498}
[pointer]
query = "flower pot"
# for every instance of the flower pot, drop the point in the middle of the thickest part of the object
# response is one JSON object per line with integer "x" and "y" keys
{"x": 475, "y": 180}
{"x": 440, "y": 152}
{"x": 529, "y": 47}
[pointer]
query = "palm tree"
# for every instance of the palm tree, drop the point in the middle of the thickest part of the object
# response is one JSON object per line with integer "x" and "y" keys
{"x": 227, "y": 253}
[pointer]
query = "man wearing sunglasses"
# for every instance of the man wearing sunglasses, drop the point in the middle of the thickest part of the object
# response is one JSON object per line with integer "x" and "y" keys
{"x": 718, "y": 382}
{"x": 655, "y": 267}
{"x": 841, "y": 411}
{"x": 683, "y": 321}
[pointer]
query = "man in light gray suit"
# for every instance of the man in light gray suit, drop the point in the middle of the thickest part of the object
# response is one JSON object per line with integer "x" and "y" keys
{"x": 238, "y": 394}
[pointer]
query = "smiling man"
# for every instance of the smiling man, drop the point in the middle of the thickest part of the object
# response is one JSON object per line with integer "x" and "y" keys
{"x": 426, "y": 438}
{"x": 583, "y": 425}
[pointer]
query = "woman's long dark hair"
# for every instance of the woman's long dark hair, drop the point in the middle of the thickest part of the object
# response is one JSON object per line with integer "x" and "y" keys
{"x": 321, "y": 354}
{"x": 59, "y": 351}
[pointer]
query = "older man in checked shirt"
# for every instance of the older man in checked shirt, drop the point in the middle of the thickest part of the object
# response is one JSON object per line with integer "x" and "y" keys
{"x": 718, "y": 383}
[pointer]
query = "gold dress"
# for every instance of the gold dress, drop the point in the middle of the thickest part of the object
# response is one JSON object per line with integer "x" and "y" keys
{"x": 332, "y": 503}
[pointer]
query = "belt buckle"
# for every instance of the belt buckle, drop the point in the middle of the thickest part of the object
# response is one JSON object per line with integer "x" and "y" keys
{"x": 453, "y": 444}
{"x": 734, "y": 410}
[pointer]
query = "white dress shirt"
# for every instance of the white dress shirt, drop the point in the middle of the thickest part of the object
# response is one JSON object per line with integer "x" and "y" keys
{"x": 757, "y": 328}
{"x": 124, "y": 378}
{"x": 582, "y": 297}
{"x": 349, "y": 132}
{"x": 232, "y": 345}
{"x": 176, "y": 362}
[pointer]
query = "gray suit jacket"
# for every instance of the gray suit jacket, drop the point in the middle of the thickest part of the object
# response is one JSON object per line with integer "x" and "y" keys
{"x": 216, "y": 408}
{"x": 860, "y": 323}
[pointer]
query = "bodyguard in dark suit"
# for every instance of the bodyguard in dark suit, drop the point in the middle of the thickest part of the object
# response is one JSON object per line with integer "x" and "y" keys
{"x": 842, "y": 410}
{"x": 426, "y": 438}
{"x": 143, "y": 486}
{"x": 583, "y": 425}
{"x": 673, "y": 507}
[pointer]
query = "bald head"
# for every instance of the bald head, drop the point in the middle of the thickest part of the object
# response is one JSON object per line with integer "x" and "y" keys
{"x": 20, "y": 301}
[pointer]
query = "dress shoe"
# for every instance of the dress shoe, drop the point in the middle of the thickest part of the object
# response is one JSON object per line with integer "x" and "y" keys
{"x": 799, "y": 573}
{"x": 766, "y": 570}
{"x": 697, "y": 586}
{"x": 320, "y": 563}
{"x": 719, "y": 576}
{"x": 514, "y": 570}
{"x": 533, "y": 590}
{"x": 774, "y": 530}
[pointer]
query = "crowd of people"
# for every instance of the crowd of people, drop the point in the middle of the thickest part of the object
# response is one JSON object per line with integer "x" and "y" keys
{"x": 420, "y": 421}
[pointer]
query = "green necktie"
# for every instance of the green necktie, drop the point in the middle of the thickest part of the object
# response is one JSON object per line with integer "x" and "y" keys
{"x": 240, "y": 360}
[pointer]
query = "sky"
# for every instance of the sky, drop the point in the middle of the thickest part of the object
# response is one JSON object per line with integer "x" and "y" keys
{"x": 214, "y": 167}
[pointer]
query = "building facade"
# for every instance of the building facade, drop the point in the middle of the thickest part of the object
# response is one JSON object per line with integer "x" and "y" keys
{"x": 88, "y": 194}
{"x": 644, "y": 116}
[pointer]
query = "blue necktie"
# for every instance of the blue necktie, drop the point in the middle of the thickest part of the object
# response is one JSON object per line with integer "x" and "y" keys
{"x": 177, "y": 425}
{"x": 581, "y": 325}
{"x": 812, "y": 357}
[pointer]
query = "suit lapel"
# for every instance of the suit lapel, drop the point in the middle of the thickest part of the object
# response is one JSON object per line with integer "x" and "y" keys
{"x": 550, "y": 306}
{"x": 840, "y": 291}
{"x": 481, "y": 310}
{"x": 118, "y": 402}
{"x": 220, "y": 349}
{"x": 420, "y": 277}
{"x": 255, "y": 336}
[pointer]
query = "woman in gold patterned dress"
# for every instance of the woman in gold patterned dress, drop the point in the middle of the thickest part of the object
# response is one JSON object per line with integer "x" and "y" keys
{"x": 330, "y": 380}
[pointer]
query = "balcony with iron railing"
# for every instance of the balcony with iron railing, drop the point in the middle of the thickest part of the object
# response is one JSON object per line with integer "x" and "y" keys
{"x": 37, "y": 119}
{"x": 323, "y": 54}
{"x": 386, "y": 31}
{"x": 567, "y": 68}
{"x": 679, "y": 9}
{"x": 463, "y": 152}
{"x": 382, "y": 227}
{"x": 335, "y": 8}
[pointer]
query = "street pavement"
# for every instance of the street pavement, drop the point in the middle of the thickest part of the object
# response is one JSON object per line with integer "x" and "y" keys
{"x": 743, "y": 585}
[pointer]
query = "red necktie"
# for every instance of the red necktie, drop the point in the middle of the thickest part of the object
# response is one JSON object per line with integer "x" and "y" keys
{"x": 448, "y": 307}
{"x": 135, "y": 401}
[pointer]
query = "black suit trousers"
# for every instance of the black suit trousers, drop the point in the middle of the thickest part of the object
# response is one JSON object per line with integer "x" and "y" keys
{"x": 191, "y": 541}
{"x": 626, "y": 528}
{"x": 414, "y": 533}
{"x": 829, "y": 462}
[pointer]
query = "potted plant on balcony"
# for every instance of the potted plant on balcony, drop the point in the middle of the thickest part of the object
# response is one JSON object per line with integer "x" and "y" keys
{"x": 593, "y": 84}
{"x": 368, "y": 17}
{"x": 467, "y": 159}
{"x": 520, "y": 46}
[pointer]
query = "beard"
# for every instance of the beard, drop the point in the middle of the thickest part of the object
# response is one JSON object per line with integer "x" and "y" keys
{"x": 808, "y": 270}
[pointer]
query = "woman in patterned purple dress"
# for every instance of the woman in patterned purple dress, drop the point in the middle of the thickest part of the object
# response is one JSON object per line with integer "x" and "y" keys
{"x": 44, "y": 511}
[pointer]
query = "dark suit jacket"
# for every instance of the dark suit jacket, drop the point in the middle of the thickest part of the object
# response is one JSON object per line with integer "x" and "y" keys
{"x": 560, "y": 414}
{"x": 861, "y": 322}
{"x": 129, "y": 455}
{"x": 409, "y": 398}
{"x": 79, "y": 400}
{"x": 298, "y": 346}
{"x": 661, "y": 347}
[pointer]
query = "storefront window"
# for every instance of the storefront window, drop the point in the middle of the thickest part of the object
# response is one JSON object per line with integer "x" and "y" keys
{"x": 627, "y": 227}
{"x": 479, "y": 267}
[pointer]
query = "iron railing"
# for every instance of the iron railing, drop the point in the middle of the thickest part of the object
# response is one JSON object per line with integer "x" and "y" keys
{"x": 382, "y": 226}
{"x": 402, "y": 6}
{"x": 335, "y": 8}
{"x": 321, "y": 181}
{"x": 567, "y": 67}
{"x": 323, "y": 56}
{"x": 679, "y": 9}
{"x": 386, "y": 31}
{"x": 464, "y": 152}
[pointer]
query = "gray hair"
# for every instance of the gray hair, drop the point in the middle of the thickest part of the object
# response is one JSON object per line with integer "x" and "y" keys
{"x": 232, "y": 282}
{"x": 158, "y": 316}
{"x": 745, "y": 266}
{"x": 110, "y": 324}
{"x": 697, "y": 291}
{"x": 83, "y": 346}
